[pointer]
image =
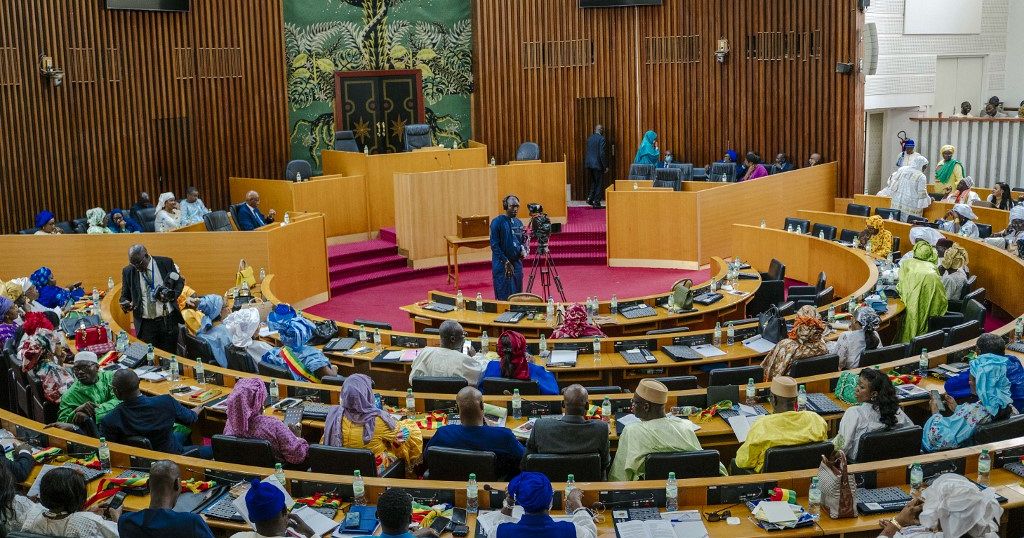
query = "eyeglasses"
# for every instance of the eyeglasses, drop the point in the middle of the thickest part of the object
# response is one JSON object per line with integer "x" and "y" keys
{"x": 718, "y": 516}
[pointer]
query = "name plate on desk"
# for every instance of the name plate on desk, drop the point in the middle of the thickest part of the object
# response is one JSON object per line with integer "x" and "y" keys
{"x": 581, "y": 347}
{"x": 474, "y": 226}
{"x": 692, "y": 341}
{"x": 739, "y": 493}
{"x": 625, "y": 345}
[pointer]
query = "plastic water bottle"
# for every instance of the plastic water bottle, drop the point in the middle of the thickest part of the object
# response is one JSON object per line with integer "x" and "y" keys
{"x": 173, "y": 367}
{"x": 121, "y": 343}
{"x": 636, "y": 186}
{"x": 916, "y": 477}
{"x": 95, "y": 295}
{"x": 831, "y": 314}
{"x": 1018, "y": 330}
{"x": 200, "y": 372}
{"x": 150, "y": 354}
{"x": 493, "y": 160}
{"x": 378, "y": 402}
{"x": 821, "y": 235}
{"x": 730, "y": 334}
{"x": 479, "y": 302}
{"x": 984, "y": 467}
{"x": 376, "y": 337}
{"x": 298, "y": 177}
{"x": 851, "y": 306}
{"x": 472, "y": 503}
{"x": 273, "y": 391}
{"x": 614, "y": 306}
{"x": 263, "y": 274}
{"x": 410, "y": 401}
{"x": 550, "y": 312}
{"x": 671, "y": 493}
{"x": 460, "y": 301}
{"x": 543, "y": 344}
{"x": 606, "y": 407}
{"x": 922, "y": 363}
{"x": 570, "y": 484}
{"x": 517, "y": 405}
{"x": 485, "y": 342}
{"x": 366, "y": 150}
{"x": 751, "y": 392}
{"x": 716, "y": 339}
{"x": 110, "y": 283}
{"x": 789, "y": 228}
{"x": 287, "y": 219}
{"x": 279, "y": 474}
{"x": 801, "y": 399}
{"x": 358, "y": 489}
{"x": 764, "y": 224}
{"x": 597, "y": 346}
{"x": 103, "y": 453}
{"x": 362, "y": 333}
{"x": 814, "y": 498}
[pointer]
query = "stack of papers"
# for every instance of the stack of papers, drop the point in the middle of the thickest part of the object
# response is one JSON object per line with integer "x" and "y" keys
{"x": 523, "y": 431}
{"x": 778, "y": 512}
{"x": 685, "y": 524}
{"x": 708, "y": 350}
{"x": 758, "y": 344}
{"x": 741, "y": 425}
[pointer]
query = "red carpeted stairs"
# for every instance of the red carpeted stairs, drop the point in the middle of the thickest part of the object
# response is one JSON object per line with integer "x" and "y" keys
{"x": 360, "y": 265}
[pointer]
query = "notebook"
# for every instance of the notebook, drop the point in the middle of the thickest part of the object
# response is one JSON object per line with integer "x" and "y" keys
{"x": 367, "y": 522}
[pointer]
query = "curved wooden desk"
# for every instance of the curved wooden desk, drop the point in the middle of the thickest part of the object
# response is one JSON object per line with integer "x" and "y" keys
{"x": 997, "y": 218}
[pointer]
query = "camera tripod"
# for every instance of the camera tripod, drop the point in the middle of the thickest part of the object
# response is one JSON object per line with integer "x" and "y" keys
{"x": 546, "y": 265}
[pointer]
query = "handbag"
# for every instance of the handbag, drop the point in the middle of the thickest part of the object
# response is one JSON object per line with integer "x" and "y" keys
{"x": 837, "y": 487}
{"x": 772, "y": 325}
{"x": 95, "y": 339}
{"x": 56, "y": 380}
{"x": 682, "y": 294}
{"x": 845, "y": 387}
{"x": 245, "y": 275}
{"x": 323, "y": 331}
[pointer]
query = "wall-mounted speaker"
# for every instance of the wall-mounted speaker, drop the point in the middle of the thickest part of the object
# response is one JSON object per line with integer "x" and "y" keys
{"x": 869, "y": 61}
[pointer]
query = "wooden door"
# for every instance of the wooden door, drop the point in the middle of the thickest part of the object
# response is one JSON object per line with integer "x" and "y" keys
{"x": 590, "y": 112}
{"x": 377, "y": 105}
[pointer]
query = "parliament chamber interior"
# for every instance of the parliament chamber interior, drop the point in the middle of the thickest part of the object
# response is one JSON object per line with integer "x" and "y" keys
{"x": 511, "y": 268}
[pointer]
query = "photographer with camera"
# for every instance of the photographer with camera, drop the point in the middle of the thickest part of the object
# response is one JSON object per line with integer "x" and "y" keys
{"x": 508, "y": 248}
{"x": 150, "y": 286}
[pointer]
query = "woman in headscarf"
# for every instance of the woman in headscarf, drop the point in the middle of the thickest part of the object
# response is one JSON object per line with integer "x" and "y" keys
{"x": 200, "y": 321}
{"x": 964, "y": 193}
{"x": 877, "y": 409}
{"x": 576, "y": 324}
{"x": 990, "y": 384}
{"x": 1001, "y": 197}
{"x": 929, "y": 236}
{"x": 952, "y": 506}
{"x": 246, "y": 420}
{"x": 50, "y": 294}
{"x": 357, "y": 423}
{"x": 515, "y": 363}
{"x": 97, "y": 219}
{"x": 950, "y": 171}
{"x": 908, "y": 187}
{"x": 960, "y": 220}
{"x": 306, "y": 363}
{"x": 47, "y": 223}
{"x": 242, "y": 327}
{"x": 805, "y": 340}
{"x": 648, "y": 152}
{"x": 168, "y": 217}
{"x": 10, "y": 315}
{"x": 875, "y": 238}
{"x": 862, "y": 336}
{"x": 921, "y": 289}
{"x": 120, "y": 223}
{"x": 1007, "y": 239}
{"x": 954, "y": 272}
{"x": 754, "y": 168}
{"x": 41, "y": 351}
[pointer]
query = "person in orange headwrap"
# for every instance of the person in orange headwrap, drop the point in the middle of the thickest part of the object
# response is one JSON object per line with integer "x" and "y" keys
{"x": 806, "y": 339}
{"x": 515, "y": 363}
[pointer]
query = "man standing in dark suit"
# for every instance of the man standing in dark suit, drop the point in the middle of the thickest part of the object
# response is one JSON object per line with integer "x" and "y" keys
{"x": 571, "y": 433}
{"x": 597, "y": 165}
{"x": 150, "y": 287}
{"x": 249, "y": 216}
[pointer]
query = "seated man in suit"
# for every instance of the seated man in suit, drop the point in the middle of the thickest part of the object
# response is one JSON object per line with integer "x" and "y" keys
{"x": 654, "y": 433}
{"x": 448, "y": 360}
{"x": 473, "y": 434}
{"x": 249, "y": 216}
{"x": 571, "y": 433}
{"x": 782, "y": 428}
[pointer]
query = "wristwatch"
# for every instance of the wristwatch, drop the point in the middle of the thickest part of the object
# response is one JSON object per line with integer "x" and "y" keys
{"x": 896, "y": 524}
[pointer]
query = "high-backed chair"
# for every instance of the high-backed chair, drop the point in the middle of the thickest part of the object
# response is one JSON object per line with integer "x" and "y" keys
{"x": 336, "y": 380}
{"x": 848, "y": 236}
{"x": 858, "y": 209}
{"x": 557, "y": 467}
{"x": 818, "y": 229}
{"x": 240, "y": 360}
{"x": 438, "y": 385}
{"x": 720, "y": 169}
{"x": 457, "y": 464}
{"x": 801, "y": 225}
{"x": 883, "y": 354}
{"x": 888, "y": 213}
{"x": 298, "y": 166}
{"x": 273, "y": 370}
{"x": 252, "y": 452}
{"x": 81, "y": 226}
{"x": 932, "y": 340}
{"x": 345, "y": 141}
{"x": 796, "y": 293}
{"x": 604, "y": 389}
{"x": 975, "y": 295}
{"x": 768, "y": 294}
{"x": 28, "y": 231}
{"x": 66, "y": 227}
{"x": 794, "y": 458}
{"x": 914, "y": 219}
{"x": 685, "y": 170}
{"x": 146, "y": 217}
{"x": 194, "y": 347}
{"x": 340, "y": 460}
{"x": 678, "y": 382}
{"x": 370, "y": 324}
{"x": 1001, "y": 430}
{"x": 889, "y": 445}
{"x": 824, "y": 364}
{"x": 234, "y": 209}
{"x": 896, "y": 245}
{"x": 973, "y": 311}
{"x": 528, "y": 151}
{"x": 668, "y": 177}
{"x": 500, "y": 385}
{"x": 984, "y": 230}
{"x": 217, "y": 221}
{"x": 738, "y": 375}
{"x": 641, "y": 172}
{"x": 776, "y": 271}
{"x": 525, "y": 298}
{"x": 417, "y": 136}
{"x": 694, "y": 464}
{"x": 961, "y": 333}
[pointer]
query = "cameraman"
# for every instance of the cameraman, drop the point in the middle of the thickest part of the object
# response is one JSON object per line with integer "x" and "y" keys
{"x": 150, "y": 287}
{"x": 508, "y": 248}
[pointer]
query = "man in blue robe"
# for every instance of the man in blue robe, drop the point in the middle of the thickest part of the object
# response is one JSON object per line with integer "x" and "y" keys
{"x": 508, "y": 248}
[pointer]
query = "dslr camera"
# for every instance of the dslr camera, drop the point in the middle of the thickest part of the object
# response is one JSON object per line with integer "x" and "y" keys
{"x": 540, "y": 226}
{"x": 165, "y": 295}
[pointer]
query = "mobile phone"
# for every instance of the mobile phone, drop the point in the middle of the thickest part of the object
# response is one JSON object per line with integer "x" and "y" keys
{"x": 287, "y": 403}
{"x": 116, "y": 501}
{"x": 938, "y": 401}
{"x": 458, "y": 516}
{"x": 440, "y": 524}
{"x": 352, "y": 520}
{"x": 460, "y": 530}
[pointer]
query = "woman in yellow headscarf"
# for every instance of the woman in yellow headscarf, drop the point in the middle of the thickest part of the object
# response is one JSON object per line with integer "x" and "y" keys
{"x": 954, "y": 271}
{"x": 950, "y": 171}
{"x": 875, "y": 238}
{"x": 921, "y": 289}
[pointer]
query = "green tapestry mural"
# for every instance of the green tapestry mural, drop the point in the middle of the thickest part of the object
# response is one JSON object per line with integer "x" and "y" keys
{"x": 323, "y": 36}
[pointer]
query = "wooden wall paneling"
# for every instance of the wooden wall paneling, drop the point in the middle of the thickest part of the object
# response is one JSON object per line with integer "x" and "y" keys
{"x": 150, "y": 101}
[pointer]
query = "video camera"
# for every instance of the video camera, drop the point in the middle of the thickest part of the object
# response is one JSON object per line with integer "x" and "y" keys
{"x": 540, "y": 226}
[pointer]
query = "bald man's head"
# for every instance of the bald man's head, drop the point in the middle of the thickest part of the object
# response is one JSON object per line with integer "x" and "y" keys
{"x": 125, "y": 384}
{"x": 471, "y": 406}
{"x": 452, "y": 335}
{"x": 575, "y": 399}
{"x": 164, "y": 484}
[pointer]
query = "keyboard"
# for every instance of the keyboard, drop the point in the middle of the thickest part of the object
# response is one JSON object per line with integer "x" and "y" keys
{"x": 734, "y": 412}
{"x": 874, "y": 501}
{"x": 708, "y": 298}
{"x": 223, "y": 509}
{"x": 1016, "y": 346}
{"x": 681, "y": 353}
{"x": 132, "y": 474}
{"x": 1016, "y": 468}
{"x": 822, "y": 404}
{"x": 644, "y": 514}
{"x": 638, "y": 311}
{"x": 748, "y": 276}
{"x": 510, "y": 317}
{"x": 90, "y": 474}
{"x": 340, "y": 344}
{"x": 637, "y": 356}
{"x": 439, "y": 307}
{"x": 315, "y": 410}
